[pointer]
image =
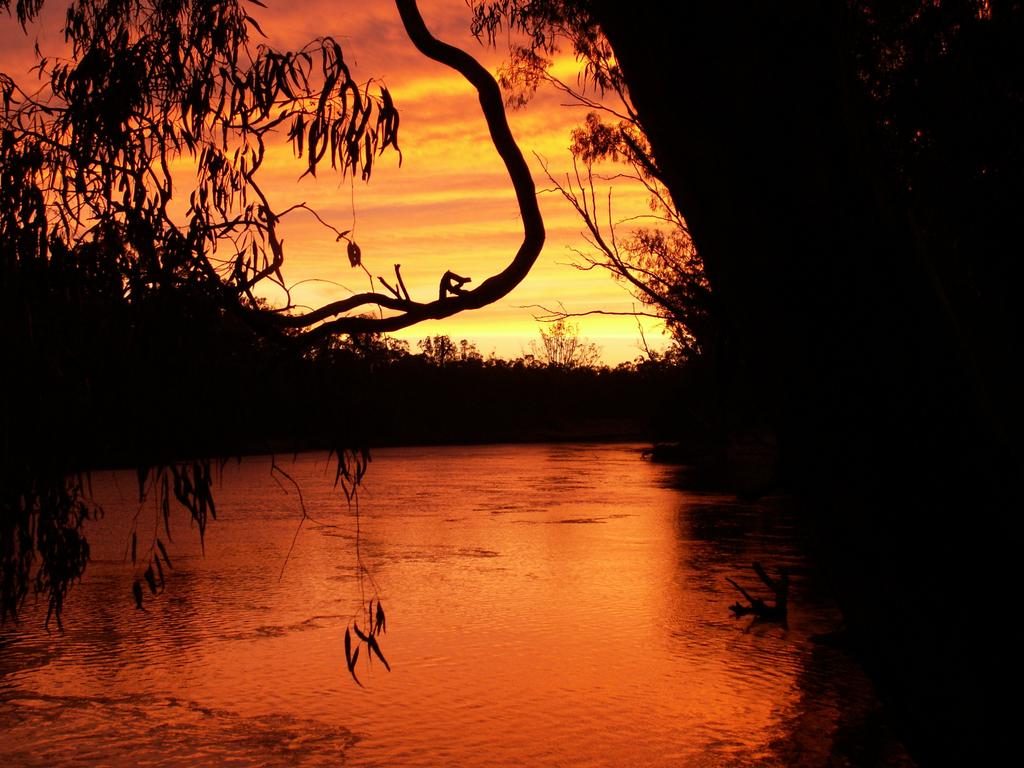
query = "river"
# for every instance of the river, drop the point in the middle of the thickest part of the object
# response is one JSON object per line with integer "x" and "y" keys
{"x": 546, "y": 605}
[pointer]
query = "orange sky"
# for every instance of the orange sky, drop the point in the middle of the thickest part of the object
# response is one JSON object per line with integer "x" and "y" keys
{"x": 450, "y": 205}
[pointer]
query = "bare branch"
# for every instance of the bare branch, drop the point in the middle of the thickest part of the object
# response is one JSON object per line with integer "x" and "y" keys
{"x": 551, "y": 315}
{"x": 491, "y": 289}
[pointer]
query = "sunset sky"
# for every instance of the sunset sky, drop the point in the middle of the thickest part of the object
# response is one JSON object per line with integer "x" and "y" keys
{"x": 450, "y": 204}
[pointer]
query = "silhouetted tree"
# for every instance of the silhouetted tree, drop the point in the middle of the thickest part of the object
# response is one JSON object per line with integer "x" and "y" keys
{"x": 851, "y": 174}
{"x": 438, "y": 350}
{"x": 561, "y": 346}
{"x": 85, "y": 162}
{"x": 469, "y": 352}
{"x": 657, "y": 263}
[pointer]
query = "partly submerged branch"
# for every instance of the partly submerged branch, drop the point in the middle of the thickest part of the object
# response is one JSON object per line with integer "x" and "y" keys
{"x": 759, "y": 608}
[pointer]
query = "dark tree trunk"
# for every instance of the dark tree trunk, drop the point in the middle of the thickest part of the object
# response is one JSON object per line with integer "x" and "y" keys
{"x": 886, "y": 425}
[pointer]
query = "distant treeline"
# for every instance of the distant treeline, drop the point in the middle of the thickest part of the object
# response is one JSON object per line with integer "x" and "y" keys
{"x": 102, "y": 378}
{"x": 449, "y": 392}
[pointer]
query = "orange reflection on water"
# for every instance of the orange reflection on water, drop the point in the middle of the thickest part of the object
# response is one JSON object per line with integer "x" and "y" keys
{"x": 547, "y": 605}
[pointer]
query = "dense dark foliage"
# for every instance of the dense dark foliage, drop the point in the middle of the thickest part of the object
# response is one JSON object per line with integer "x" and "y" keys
{"x": 417, "y": 398}
{"x": 118, "y": 285}
{"x": 852, "y": 176}
{"x": 126, "y": 284}
{"x": 163, "y": 377}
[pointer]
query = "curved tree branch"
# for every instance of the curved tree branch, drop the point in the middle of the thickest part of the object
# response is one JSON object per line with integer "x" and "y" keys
{"x": 491, "y": 289}
{"x": 553, "y": 315}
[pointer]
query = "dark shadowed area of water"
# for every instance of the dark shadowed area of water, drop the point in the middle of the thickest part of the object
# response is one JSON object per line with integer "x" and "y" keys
{"x": 546, "y": 605}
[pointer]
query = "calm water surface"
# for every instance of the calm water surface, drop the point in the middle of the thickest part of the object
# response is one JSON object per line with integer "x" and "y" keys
{"x": 547, "y": 605}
